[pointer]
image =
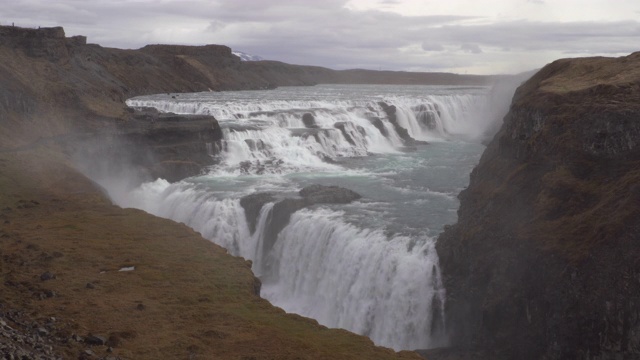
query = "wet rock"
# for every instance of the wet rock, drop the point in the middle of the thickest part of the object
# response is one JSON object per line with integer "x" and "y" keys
{"x": 321, "y": 194}
{"x": 309, "y": 120}
{"x": 310, "y": 195}
{"x": 255, "y": 145}
{"x": 259, "y": 167}
{"x": 391, "y": 110}
{"x": 280, "y": 215}
{"x": 426, "y": 116}
{"x": 377, "y": 122}
{"x": 252, "y": 204}
{"x": 342, "y": 126}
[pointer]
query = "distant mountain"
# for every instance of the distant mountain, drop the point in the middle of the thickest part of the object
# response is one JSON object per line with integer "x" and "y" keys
{"x": 247, "y": 57}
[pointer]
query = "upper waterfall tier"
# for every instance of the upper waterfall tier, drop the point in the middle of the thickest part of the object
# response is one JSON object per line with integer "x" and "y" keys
{"x": 287, "y": 130}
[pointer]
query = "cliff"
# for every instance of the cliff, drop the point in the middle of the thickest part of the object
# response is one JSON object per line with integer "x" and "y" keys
{"x": 63, "y": 244}
{"x": 543, "y": 262}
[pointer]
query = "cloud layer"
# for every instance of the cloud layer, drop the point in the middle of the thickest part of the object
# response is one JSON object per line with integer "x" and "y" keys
{"x": 386, "y": 34}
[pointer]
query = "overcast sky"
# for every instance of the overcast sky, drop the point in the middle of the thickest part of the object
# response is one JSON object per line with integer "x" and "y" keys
{"x": 462, "y": 36}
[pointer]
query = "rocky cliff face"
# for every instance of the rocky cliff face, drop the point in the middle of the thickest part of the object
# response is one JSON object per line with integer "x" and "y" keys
{"x": 543, "y": 262}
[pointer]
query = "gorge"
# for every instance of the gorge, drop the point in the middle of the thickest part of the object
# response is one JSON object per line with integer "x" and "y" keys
{"x": 541, "y": 263}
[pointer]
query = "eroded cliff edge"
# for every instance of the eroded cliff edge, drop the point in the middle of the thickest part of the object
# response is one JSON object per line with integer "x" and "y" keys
{"x": 544, "y": 259}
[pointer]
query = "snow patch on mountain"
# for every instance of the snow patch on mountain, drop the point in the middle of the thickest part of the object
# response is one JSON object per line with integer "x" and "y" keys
{"x": 247, "y": 57}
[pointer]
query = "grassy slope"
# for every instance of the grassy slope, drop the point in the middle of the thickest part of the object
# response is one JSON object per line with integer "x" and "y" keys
{"x": 198, "y": 301}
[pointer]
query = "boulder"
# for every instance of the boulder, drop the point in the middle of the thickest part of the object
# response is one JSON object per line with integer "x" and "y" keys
{"x": 95, "y": 340}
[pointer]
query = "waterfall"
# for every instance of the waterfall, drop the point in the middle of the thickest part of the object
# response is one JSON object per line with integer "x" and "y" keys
{"x": 275, "y": 130}
{"x": 258, "y": 239}
{"x": 357, "y": 279}
{"x": 370, "y": 268}
{"x": 320, "y": 266}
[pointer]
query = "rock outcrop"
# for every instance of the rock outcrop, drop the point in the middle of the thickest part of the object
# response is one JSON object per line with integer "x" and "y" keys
{"x": 543, "y": 262}
{"x": 390, "y": 111}
{"x": 321, "y": 194}
{"x": 285, "y": 207}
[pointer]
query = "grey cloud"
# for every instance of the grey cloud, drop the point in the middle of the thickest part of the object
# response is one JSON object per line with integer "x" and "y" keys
{"x": 471, "y": 48}
{"x": 328, "y": 34}
{"x": 427, "y": 46}
{"x": 592, "y": 37}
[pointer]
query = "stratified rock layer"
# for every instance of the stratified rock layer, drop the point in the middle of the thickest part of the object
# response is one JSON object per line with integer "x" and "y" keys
{"x": 543, "y": 262}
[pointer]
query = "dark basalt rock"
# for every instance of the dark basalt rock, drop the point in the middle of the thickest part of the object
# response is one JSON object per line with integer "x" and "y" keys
{"x": 260, "y": 167}
{"x": 155, "y": 145}
{"x": 280, "y": 215}
{"x": 282, "y": 210}
{"x": 252, "y": 204}
{"x": 390, "y": 110}
{"x": 320, "y": 194}
{"x": 342, "y": 127}
{"x": 426, "y": 116}
{"x": 309, "y": 120}
{"x": 95, "y": 340}
{"x": 377, "y": 122}
{"x": 543, "y": 262}
{"x": 255, "y": 145}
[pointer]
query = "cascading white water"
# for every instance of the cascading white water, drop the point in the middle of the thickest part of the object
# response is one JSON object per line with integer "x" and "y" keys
{"x": 321, "y": 267}
{"x": 258, "y": 258}
{"x": 357, "y": 279}
{"x": 269, "y": 135}
{"x": 369, "y": 267}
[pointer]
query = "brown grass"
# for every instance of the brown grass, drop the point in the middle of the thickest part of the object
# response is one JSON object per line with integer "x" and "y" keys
{"x": 186, "y": 299}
